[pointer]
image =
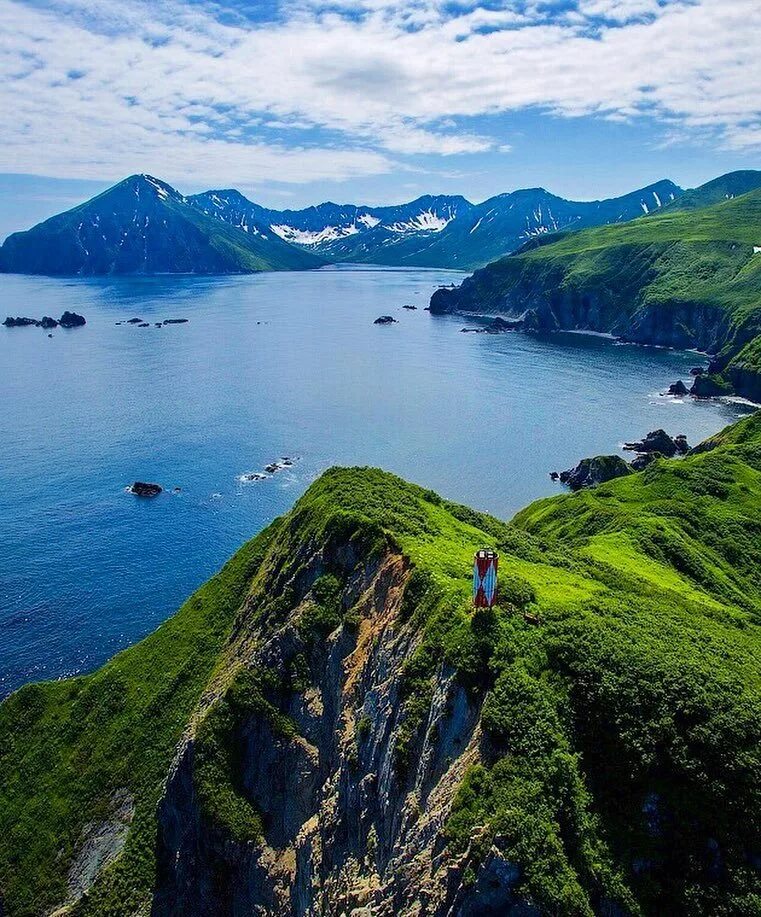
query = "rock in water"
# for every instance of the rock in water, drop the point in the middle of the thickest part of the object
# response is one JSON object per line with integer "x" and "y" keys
{"x": 48, "y": 322}
{"x": 678, "y": 388}
{"x": 175, "y": 321}
{"x": 592, "y": 471}
{"x": 384, "y": 320}
{"x": 71, "y": 320}
{"x": 19, "y": 322}
{"x": 659, "y": 441}
{"x": 134, "y": 321}
{"x": 144, "y": 489}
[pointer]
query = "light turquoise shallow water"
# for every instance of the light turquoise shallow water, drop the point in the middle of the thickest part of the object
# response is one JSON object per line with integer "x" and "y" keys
{"x": 270, "y": 365}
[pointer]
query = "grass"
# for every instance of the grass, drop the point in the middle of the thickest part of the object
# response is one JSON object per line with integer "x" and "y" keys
{"x": 622, "y": 734}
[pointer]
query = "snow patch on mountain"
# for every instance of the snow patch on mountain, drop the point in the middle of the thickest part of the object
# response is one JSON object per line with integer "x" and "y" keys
{"x": 426, "y": 221}
{"x": 309, "y": 237}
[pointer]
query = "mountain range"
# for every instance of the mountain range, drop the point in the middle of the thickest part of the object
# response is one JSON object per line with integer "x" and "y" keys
{"x": 433, "y": 231}
{"x": 143, "y": 225}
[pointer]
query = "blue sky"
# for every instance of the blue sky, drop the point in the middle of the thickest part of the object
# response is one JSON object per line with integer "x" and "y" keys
{"x": 372, "y": 100}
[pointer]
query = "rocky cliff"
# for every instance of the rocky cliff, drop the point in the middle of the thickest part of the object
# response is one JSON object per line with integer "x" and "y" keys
{"x": 328, "y": 727}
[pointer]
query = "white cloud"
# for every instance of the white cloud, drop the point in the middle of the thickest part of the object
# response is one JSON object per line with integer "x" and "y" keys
{"x": 95, "y": 89}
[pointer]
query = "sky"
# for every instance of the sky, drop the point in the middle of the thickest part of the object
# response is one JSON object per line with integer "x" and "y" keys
{"x": 372, "y": 101}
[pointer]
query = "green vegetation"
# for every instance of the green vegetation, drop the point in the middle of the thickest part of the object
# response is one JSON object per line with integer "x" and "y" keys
{"x": 619, "y": 682}
{"x": 216, "y": 771}
{"x": 684, "y": 276}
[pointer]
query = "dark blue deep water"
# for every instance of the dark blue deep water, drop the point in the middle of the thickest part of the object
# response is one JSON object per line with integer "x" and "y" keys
{"x": 271, "y": 365}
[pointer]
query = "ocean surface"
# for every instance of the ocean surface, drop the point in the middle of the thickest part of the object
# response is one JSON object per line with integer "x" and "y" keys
{"x": 267, "y": 366}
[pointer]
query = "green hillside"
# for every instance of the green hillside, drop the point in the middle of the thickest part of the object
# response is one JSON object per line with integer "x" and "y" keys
{"x": 617, "y": 684}
{"x": 685, "y": 277}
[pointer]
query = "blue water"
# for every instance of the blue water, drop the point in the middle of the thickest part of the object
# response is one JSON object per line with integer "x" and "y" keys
{"x": 271, "y": 365}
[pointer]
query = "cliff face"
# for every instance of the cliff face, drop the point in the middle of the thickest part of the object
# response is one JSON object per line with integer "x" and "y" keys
{"x": 346, "y": 823}
{"x": 683, "y": 279}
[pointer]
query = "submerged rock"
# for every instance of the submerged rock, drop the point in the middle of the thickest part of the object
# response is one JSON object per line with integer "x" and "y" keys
{"x": 175, "y": 321}
{"x": 145, "y": 489}
{"x": 660, "y": 441}
{"x": 592, "y": 471}
{"x": 384, "y": 320}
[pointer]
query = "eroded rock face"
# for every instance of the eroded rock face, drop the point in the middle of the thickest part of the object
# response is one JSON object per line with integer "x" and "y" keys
{"x": 346, "y": 829}
{"x": 100, "y": 844}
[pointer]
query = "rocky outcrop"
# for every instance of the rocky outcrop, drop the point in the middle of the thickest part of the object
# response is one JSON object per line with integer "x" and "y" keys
{"x": 144, "y": 489}
{"x": 678, "y": 389}
{"x": 347, "y": 828}
{"x": 592, "y": 471}
{"x": 67, "y": 320}
{"x": 660, "y": 441}
{"x": 710, "y": 385}
{"x": 71, "y": 320}
{"x": 643, "y": 459}
{"x": 385, "y": 320}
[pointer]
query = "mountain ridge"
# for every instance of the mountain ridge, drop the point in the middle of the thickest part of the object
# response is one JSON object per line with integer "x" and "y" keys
{"x": 122, "y": 231}
{"x": 445, "y": 231}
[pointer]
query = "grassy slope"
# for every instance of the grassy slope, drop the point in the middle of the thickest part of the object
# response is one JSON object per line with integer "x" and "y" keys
{"x": 681, "y": 255}
{"x": 641, "y": 687}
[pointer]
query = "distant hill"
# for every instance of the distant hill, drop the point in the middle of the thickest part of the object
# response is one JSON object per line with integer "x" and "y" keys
{"x": 723, "y": 188}
{"x": 432, "y": 231}
{"x": 144, "y": 226}
{"x": 684, "y": 277}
